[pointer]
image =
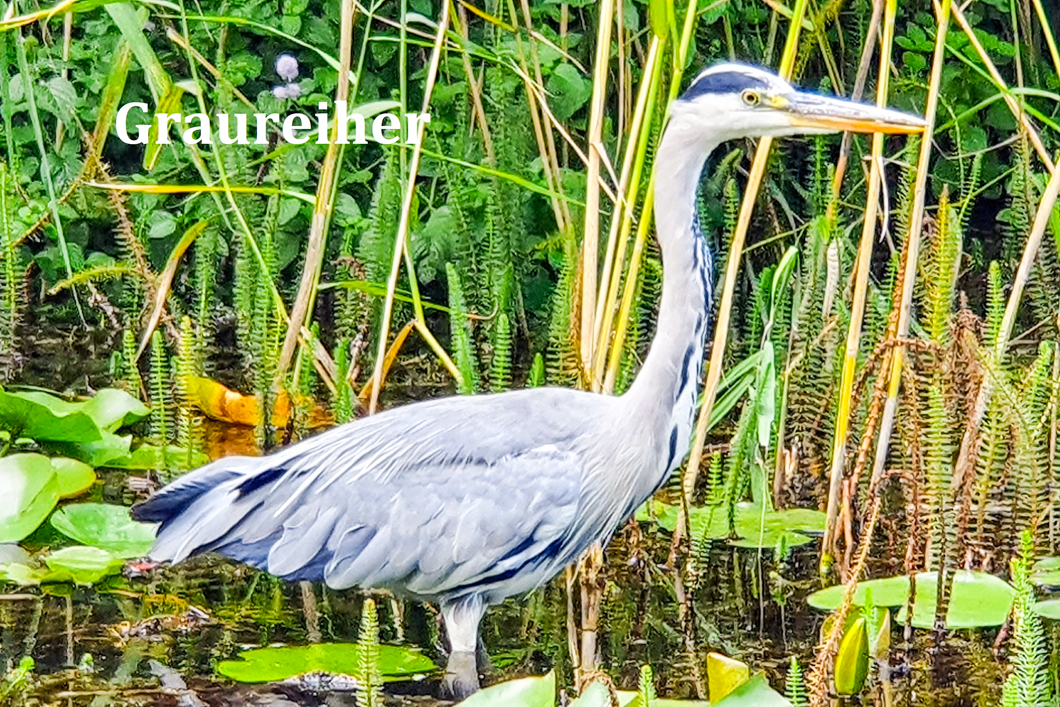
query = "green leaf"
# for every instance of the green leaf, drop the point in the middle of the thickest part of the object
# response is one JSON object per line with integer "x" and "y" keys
{"x": 30, "y": 492}
{"x": 44, "y": 417}
{"x": 569, "y": 89}
{"x": 753, "y": 529}
{"x": 1047, "y": 609}
{"x": 102, "y": 452}
{"x": 852, "y": 660}
{"x": 595, "y": 695}
{"x": 112, "y": 409}
{"x": 279, "y": 663}
{"x": 82, "y": 565}
{"x": 527, "y": 692}
{"x": 978, "y": 599}
{"x": 105, "y": 526}
{"x": 756, "y": 692}
{"x": 149, "y": 456}
{"x": 74, "y": 477}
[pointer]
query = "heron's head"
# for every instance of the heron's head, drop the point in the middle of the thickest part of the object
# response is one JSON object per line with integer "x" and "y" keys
{"x": 730, "y": 101}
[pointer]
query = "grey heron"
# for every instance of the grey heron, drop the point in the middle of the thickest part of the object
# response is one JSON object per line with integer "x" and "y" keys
{"x": 465, "y": 501}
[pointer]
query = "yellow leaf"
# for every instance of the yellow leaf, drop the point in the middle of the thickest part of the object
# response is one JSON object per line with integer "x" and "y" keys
{"x": 725, "y": 674}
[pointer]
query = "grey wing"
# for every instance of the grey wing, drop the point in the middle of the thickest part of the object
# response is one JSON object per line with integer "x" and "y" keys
{"x": 424, "y": 526}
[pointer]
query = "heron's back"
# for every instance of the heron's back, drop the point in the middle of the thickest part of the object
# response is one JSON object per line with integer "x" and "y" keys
{"x": 439, "y": 498}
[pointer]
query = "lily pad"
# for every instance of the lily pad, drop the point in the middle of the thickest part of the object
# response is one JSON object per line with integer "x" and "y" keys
{"x": 23, "y": 574}
{"x": 1047, "y": 609}
{"x": 754, "y": 526}
{"x": 525, "y": 692}
{"x": 279, "y": 663}
{"x": 30, "y": 492}
{"x": 105, "y": 526}
{"x": 756, "y": 692}
{"x": 74, "y": 477}
{"x": 102, "y": 451}
{"x": 149, "y": 456}
{"x": 43, "y": 417}
{"x": 112, "y": 409}
{"x": 595, "y": 695}
{"x": 978, "y": 599}
{"x": 82, "y": 565}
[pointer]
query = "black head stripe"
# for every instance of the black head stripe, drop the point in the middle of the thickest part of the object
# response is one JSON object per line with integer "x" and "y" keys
{"x": 727, "y": 82}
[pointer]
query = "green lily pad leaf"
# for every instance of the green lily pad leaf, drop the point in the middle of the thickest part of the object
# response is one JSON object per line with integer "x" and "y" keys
{"x": 43, "y": 417}
{"x": 595, "y": 695}
{"x": 526, "y": 692}
{"x": 754, "y": 528}
{"x": 756, "y": 692}
{"x": 149, "y": 456}
{"x": 891, "y": 591}
{"x": 1047, "y": 609}
{"x": 279, "y": 663}
{"x": 1046, "y": 579}
{"x": 22, "y": 574}
{"x": 112, "y": 409}
{"x": 30, "y": 492}
{"x": 74, "y": 477}
{"x": 106, "y": 526}
{"x": 99, "y": 452}
{"x": 83, "y": 565}
{"x": 978, "y": 599}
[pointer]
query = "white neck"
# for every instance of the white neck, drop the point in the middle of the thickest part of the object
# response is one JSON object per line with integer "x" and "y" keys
{"x": 661, "y": 403}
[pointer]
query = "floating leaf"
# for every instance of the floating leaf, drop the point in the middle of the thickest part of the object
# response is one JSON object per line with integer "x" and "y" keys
{"x": 22, "y": 574}
{"x": 149, "y": 456}
{"x": 754, "y": 528}
{"x": 105, "y": 526}
{"x": 112, "y": 409}
{"x": 30, "y": 492}
{"x": 725, "y": 674}
{"x": 526, "y": 692}
{"x": 1047, "y": 609}
{"x": 44, "y": 417}
{"x": 74, "y": 477}
{"x": 978, "y": 599}
{"x": 100, "y": 452}
{"x": 756, "y": 692}
{"x": 595, "y": 695}
{"x": 279, "y": 663}
{"x": 82, "y": 565}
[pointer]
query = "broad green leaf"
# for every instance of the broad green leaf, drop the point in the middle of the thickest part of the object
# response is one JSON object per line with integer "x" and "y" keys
{"x": 756, "y": 692}
{"x": 105, "y": 526}
{"x": 753, "y": 530}
{"x": 22, "y": 574}
{"x": 74, "y": 477}
{"x": 1047, "y": 609}
{"x": 279, "y": 663}
{"x": 725, "y": 674}
{"x": 82, "y": 565}
{"x": 978, "y": 599}
{"x": 112, "y": 409}
{"x": 148, "y": 456}
{"x": 596, "y": 695}
{"x": 105, "y": 451}
{"x": 30, "y": 492}
{"x": 45, "y": 418}
{"x": 526, "y": 692}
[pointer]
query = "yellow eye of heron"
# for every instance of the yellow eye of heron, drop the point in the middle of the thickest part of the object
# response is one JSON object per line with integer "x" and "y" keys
{"x": 750, "y": 97}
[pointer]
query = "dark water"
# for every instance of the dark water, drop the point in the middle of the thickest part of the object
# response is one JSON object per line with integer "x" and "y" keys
{"x": 154, "y": 638}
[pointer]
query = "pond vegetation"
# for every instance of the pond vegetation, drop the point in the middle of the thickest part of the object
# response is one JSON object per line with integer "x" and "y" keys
{"x": 870, "y": 512}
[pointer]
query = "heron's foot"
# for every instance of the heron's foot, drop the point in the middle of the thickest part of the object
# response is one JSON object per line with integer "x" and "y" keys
{"x": 461, "y": 675}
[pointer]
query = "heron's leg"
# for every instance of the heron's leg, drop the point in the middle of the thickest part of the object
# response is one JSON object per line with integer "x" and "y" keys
{"x": 462, "y": 617}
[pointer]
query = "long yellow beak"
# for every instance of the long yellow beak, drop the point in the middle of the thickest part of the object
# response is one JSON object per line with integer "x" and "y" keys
{"x": 808, "y": 110}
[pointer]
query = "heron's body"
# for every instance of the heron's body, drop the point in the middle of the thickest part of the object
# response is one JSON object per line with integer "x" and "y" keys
{"x": 465, "y": 501}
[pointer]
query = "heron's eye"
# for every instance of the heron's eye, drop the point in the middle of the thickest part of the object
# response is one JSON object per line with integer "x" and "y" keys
{"x": 750, "y": 97}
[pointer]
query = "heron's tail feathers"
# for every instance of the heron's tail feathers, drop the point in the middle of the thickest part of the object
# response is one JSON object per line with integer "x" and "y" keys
{"x": 193, "y": 511}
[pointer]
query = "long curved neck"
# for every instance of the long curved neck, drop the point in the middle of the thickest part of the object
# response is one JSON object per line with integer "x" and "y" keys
{"x": 663, "y": 397}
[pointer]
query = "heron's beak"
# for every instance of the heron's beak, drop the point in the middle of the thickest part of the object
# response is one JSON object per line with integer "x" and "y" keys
{"x": 807, "y": 110}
